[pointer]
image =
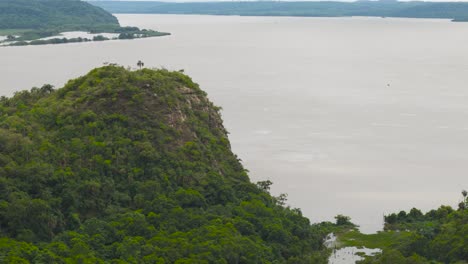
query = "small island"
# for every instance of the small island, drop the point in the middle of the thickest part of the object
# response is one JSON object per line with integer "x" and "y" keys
{"x": 39, "y": 22}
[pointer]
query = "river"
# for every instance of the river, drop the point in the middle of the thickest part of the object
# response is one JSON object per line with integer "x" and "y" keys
{"x": 354, "y": 116}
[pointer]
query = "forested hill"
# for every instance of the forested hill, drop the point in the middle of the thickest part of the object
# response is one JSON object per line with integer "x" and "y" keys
{"x": 135, "y": 166}
{"x": 53, "y": 14}
{"x": 456, "y": 11}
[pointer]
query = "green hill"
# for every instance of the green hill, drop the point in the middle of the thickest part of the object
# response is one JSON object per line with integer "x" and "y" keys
{"x": 27, "y": 22}
{"x": 126, "y": 166}
{"x": 53, "y": 14}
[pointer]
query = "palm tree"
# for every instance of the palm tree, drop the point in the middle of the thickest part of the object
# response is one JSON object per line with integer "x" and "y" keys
{"x": 140, "y": 64}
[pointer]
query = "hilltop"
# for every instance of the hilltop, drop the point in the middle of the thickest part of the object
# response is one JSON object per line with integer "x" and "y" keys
{"x": 135, "y": 166}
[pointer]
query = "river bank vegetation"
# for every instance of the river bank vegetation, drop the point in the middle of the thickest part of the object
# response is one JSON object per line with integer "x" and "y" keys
{"x": 438, "y": 236}
{"x": 121, "y": 33}
{"x": 29, "y": 22}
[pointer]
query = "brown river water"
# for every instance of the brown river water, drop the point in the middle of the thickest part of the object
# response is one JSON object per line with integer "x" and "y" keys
{"x": 355, "y": 116}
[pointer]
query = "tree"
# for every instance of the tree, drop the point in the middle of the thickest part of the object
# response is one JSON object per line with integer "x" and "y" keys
{"x": 93, "y": 177}
{"x": 281, "y": 199}
{"x": 342, "y": 220}
{"x": 463, "y": 204}
{"x": 391, "y": 219}
{"x": 264, "y": 185}
{"x": 140, "y": 64}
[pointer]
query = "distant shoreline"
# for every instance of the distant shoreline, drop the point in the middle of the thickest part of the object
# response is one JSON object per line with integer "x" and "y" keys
{"x": 37, "y": 22}
{"x": 285, "y": 16}
{"x": 63, "y": 38}
{"x": 454, "y": 11}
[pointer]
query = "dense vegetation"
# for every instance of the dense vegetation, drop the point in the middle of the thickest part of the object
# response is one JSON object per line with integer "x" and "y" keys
{"x": 123, "y": 33}
{"x": 438, "y": 236}
{"x": 26, "y": 22}
{"x": 127, "y": 166}
{"x": 456, "y": 11}
{"x": 64, "y": 15}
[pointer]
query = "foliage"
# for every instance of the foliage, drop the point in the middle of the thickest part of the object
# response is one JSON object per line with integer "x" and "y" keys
{"x": 394, "y": 256}
{"x": 382, "y": 240}
{"x": 134, "y": 167}
{"x": 438, "y": 236}
{"x": 99, "y": 38}
{"x": 50, "y": 41}
{"x": 456, "y": 11}
{"x": 134, "y": 32}
{"x": 60, "y": 15}
{"x": 342, "y": 220}
{"x": 26, "y": 22}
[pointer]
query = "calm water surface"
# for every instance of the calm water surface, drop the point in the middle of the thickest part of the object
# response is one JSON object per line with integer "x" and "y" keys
{"x": 358, "y": 116}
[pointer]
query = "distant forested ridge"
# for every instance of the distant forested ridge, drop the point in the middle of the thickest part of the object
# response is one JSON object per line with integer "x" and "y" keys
{"x": 124, "y": 166}
{"x": 53, "y": 14}
{"x": 454, "y": 10}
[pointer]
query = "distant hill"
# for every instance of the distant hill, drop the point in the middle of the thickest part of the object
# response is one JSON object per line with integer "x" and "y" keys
{"x": 28, "y": 22}
{"x": 59, "y": 15}
{"x": 455, "y": 11}
{"x": 127, "y": 166}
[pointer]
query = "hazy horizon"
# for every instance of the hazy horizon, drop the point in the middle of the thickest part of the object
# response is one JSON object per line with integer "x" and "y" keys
{"x": 192, "y": 1}
{"x": 195, "y": 1}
